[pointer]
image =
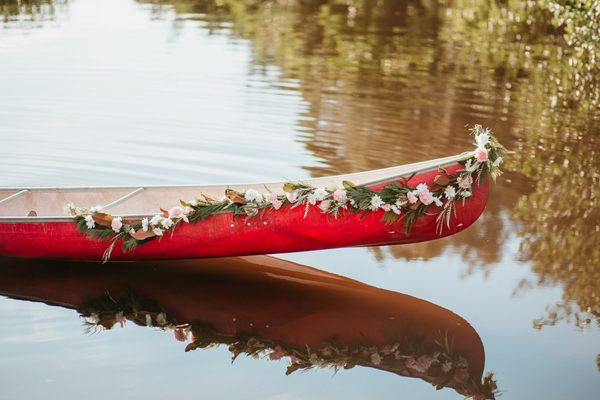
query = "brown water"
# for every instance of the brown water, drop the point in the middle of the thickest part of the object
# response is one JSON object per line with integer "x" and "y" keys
{"x": 122, "y": 92}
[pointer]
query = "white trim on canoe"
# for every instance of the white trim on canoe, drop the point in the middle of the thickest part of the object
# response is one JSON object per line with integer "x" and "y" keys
{"x": 120, "y": 205}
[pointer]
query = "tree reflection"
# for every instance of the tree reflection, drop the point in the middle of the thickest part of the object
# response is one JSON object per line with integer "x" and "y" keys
{"x": 387, "y": 79}
{"x": 29, "y": 13}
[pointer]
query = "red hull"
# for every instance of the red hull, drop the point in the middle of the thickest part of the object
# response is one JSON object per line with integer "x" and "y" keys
{"x": 282, "y": 231}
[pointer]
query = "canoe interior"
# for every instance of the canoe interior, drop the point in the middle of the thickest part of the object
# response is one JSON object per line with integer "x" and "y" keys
{"x": 18, "y": 203}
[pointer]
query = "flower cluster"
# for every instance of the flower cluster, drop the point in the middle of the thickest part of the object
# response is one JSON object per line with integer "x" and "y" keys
{"x": 397, "y": 200}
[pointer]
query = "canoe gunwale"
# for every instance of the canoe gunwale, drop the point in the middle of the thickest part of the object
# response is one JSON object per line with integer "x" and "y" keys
{"x": 421, "y": 167}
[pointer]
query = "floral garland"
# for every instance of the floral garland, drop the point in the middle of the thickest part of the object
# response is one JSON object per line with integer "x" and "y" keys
{"x": 397, "y": 200}
{"x": 436, "y": 363}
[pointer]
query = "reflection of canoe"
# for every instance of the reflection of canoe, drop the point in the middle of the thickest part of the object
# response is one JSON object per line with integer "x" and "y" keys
{"x": 263, "y": 305}
{"x": 48, "y": 234}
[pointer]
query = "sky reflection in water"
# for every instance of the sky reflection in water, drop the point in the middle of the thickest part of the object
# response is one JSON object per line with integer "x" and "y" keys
{"x": 126, "y": 93}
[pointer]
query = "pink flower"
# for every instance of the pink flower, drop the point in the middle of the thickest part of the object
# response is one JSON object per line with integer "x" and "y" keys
{"x": 120, "y": 318}
{"x": 412, "y": 199}
{"x": 426, "y": 197}
{"x": 465, "y": 183}
{"x": 291, "y": 196}
{"x": 116, "y": 224}
{"x": 386, "y": 207}
{"x": 276, "y": 354}
{"x": 273, "y": 199}
{"x": 481, "y": 154}
{"x": 421, "y": 364}
{"x": 277, "y": 204}
{"x": 180, "y": 334}
{"x": 176, "y": 212}
{"x": 340, "y": 196}
{"x": 324, "y": 205}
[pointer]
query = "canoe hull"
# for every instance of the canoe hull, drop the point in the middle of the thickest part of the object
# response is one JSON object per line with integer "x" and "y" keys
{"x": 282, "y": 231}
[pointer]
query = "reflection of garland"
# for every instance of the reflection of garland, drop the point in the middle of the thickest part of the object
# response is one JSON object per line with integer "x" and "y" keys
{"x": 439, "y": 364}
{"x": 397, "y": 200}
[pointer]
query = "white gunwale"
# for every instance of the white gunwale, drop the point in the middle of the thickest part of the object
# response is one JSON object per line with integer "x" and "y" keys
{"x": 369, "y": 178}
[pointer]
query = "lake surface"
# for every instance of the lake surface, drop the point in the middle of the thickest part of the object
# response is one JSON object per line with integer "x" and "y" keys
{"x": 122, "y": 92}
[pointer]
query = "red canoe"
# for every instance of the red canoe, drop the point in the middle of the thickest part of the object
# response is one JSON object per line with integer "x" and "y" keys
{"x": 263, "y": 306}
{"x": 33, "y": 222}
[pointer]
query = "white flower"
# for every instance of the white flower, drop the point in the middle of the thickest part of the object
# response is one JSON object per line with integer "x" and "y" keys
{"x": 471, "y": 166}
{"x": 145, "y": 224}
{"x": 158, "y": 231}
{"x": 437, "y": 201}
{"x": 421, "y": 187}
{"x": 482, "y": 139}
{"x": 166, "y": 223}
{"x": 386, "y": 207}
{"x": 497, "y": 162}
{"x": 375, "y": 358}
{"x": 156, "y": 219}
{"x": 96, "y": 209}
{"x": 253, "y": 195}
{"x": 340, "y": 196}
{"x": 376, "y": 203}
{"x": 320, "y": 193}
{"x": 93, "y": 318}
{"x": 312, "y": 199}
{"x": 352, "y": 202}
{"x": 396, "y": 210}
{"x": 89, "y": 221}
{"x": 70, "y": 209}
{"x": 465, "y": 194}
{"x": 161, "y": 319}
{"x": 450, "y": 192}
{"x": 148, "y": 320}
{"x": 132, "y": 231}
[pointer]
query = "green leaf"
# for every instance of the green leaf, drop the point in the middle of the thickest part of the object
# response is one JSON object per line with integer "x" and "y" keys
{"x": 289, "y": 187}
{"x": 348, "y": 185}
{"x": 292, "y": 368}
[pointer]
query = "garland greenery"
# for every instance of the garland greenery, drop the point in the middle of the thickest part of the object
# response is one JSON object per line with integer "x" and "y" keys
{"x": 398, "y": 200}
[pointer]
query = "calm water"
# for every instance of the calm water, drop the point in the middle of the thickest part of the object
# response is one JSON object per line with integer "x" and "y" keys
{"x": 123, "y": 92}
